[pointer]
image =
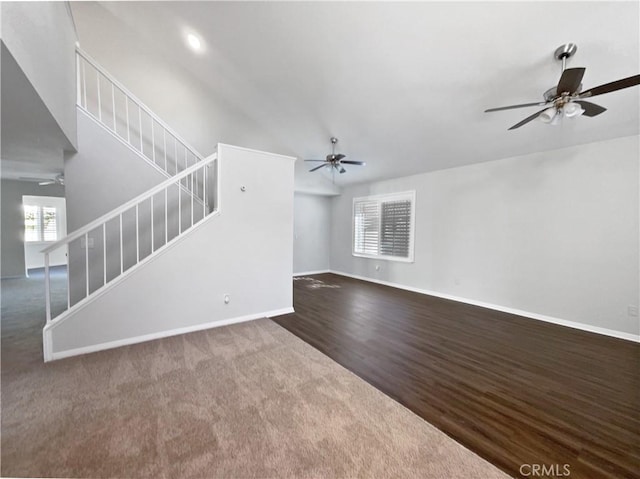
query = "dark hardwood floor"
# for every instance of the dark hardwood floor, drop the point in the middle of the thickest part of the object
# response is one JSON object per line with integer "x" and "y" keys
{"x": 514, "y": 390}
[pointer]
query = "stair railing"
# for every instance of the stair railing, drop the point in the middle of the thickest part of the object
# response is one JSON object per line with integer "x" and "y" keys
{"x": 111, "y": 104}
{"x": 110, "y": 246}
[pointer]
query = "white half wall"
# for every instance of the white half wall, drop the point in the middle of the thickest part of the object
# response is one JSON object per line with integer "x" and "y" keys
{"x": 554, "y": 234}
{"x": 311, "y": 233}
{"x": 243, "y": 251}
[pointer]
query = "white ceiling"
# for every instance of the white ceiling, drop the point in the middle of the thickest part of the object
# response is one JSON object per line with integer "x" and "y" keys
{"x": 402, "y": 85}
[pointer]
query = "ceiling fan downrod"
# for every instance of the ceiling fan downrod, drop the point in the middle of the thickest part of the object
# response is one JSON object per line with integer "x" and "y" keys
{"x": 562, "y": 53}
{"x": 334, "y": 140}
{"x": 565, "y": 51}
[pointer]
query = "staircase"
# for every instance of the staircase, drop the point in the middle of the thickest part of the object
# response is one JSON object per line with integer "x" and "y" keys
{"x": 158, "y": 265}
{"x": 107, "y": 101}
{"x": 114, "y": 245}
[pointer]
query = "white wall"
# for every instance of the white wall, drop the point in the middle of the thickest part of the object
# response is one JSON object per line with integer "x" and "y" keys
{"x": 244, "y": 251}
{"x": 311, "y": 233}
{"x": 198, "y": 114}
{"x": 553, "y": 233}
{"x": 46, "y": 54}
{"x": 103, "y": 174}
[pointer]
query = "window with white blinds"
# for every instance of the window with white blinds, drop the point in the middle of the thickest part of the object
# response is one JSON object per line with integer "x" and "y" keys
{"x": 383, "y": 226}
{"x": 40, "y": 223}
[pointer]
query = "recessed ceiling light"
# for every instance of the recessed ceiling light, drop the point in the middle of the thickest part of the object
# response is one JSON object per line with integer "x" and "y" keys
{"x": 194, "y": 42}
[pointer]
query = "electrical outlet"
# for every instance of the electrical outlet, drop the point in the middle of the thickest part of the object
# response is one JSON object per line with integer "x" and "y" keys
{"x": 632, "y": 310}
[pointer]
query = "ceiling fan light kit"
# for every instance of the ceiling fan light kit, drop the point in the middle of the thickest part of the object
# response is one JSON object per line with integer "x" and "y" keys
{"x": 567, "y": 98}
{"x": 572, "y": 110}
{"x": 553, "y": 115}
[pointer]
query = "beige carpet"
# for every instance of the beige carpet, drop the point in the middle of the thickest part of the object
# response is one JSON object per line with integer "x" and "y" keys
{"x": 248, "y": 400}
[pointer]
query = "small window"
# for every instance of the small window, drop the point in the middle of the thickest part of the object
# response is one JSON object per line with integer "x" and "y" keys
{"x": 383, "y": 226}
{"x": 40, "y": 223}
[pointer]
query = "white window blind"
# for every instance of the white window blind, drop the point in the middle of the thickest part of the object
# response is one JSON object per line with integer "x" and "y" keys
{"x": 32, "y": 223}
{"x": 49, "y": 224}
{"x": 383, "y": 226}
{"x": 395, "y": 231}
{"x": 40, "y": 223}
{"x": 367, "y": 227}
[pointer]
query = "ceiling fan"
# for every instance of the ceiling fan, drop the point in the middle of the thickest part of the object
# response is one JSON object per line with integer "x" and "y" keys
{"x": 335, "y": 161}
{"x": 58, "y": 180}
{"x": 566, "y": 99}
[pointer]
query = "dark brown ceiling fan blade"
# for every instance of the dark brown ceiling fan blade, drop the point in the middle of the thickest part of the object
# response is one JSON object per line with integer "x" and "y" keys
{"x": 318, "y": 167}
{"x": 613, "y": 86}
{"x": 570, "y": 81}
{"x": 350, "y": 162}
{"x": 511, "y": 107}
{"x": 591, "y": 109}
{"x": 527, "y": 120}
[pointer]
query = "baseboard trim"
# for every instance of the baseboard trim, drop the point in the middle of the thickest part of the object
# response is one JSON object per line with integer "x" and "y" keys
{"x": 309, "y": 273}
{"x": 518, "y": 312}
{"x": 53, "y": 356}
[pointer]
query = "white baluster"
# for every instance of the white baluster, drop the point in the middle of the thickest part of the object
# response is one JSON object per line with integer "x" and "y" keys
{"x": 137, "y": 235}
{"x": 140, "y": 126}
{"x": 126, "y": 106}
{"x": 175, "y": 143}
{"x": 47, "y": 287}
{"x": 152, "y": 235}
{"x": 68, "y": 280}
{"x": 99, "y": 98}
{"x": 191, "y": 175}
{"x": 113, "y": 106}
{"x": 78, "y": 80}
{"x": 86, "y": 263}
{"x": 164, "y": 142}
{"x": 84, "y": 83}
{"x": 179, "y": 207}
{"x": 104, "y": 252}
{"x": 153, "y": 140}
{"x": 121, "y": 249}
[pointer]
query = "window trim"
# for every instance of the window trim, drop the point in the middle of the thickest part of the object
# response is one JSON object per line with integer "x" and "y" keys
{"x": 404, "y": 195}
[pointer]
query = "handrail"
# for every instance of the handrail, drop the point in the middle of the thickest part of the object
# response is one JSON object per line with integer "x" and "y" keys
{"x": 136, "y": 100}
{"x": 129, "y": 204}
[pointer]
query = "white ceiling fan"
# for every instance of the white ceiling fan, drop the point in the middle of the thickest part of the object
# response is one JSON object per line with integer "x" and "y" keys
{"x": 335, "y": 162}
{"x": 567, "y": 98}
{"x": 57, "y": 180}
